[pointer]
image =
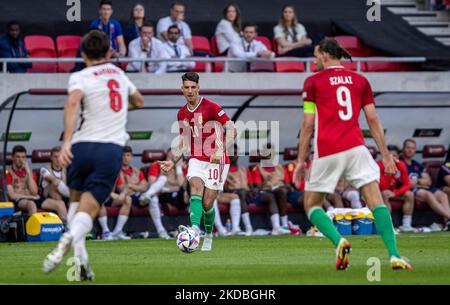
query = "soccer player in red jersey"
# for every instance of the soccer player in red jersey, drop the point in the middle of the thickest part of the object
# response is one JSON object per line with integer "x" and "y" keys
{"x": 202, "y": 124}
{"x": 333, "y": 99}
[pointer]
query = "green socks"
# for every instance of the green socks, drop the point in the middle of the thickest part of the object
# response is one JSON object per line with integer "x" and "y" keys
{"x": 208, "y": 220}
{"x": 195, "y": 210}
{"x": 383, "y": 222}
{"x": 321, "y": 220}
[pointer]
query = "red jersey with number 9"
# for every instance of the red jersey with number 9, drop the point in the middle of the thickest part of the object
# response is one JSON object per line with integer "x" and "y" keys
{"x": 203, "y": 127}
{"x": 339, "y": 95}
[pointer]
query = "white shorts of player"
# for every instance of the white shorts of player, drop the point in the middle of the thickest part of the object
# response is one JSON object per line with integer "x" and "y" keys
{"x": 213, "y": 175}
{"x": 356, "y": 165}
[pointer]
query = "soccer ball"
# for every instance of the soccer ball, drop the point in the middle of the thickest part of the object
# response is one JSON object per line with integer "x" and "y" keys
{"x": 188, "y": 241}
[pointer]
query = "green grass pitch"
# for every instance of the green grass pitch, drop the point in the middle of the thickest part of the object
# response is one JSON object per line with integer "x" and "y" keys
{"x": 236, "y": 260}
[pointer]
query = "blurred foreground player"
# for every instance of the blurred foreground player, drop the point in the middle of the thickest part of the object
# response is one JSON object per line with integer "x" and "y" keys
{"x": 202, "y": 123}
{"x": 333, "y": 99}
{"x": 93, "y": 151}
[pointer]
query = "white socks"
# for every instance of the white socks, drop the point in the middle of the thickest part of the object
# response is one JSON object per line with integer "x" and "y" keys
{"x": 73, "y": 206}
{"x": 275, "y": 220}
{"x": 217, "y": 219}
{"x": 246, "y": 220}
{"x": 155, "y": 212}
{"x": 156, "y": 187}
{"x": 284, "y": 221}
{"x": 63, "y": 189}
{"x": 235, "y": 214}
{"x": 81, "y": 225}
{"x": 407, "y": 219}
{"x": 121, "y": 221}
{"x": 103, "y": 223}
{"x": 353, "y": 197}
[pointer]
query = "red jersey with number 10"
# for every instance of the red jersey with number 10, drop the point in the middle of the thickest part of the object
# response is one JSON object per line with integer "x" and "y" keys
{"x": 339, "y": 95}
{"x": 203, "y": 125}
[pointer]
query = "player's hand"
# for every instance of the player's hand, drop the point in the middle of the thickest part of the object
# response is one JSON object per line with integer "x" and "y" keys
{"x": 299, "y": 174}
{"x": 66, "y": 156}
{"x": 388, "y": 194}
{"x": 389, "y": 166}
{"x": 216, "y": 158}
{"x": 122, "y": 197}
{"x": 166, "y": 165}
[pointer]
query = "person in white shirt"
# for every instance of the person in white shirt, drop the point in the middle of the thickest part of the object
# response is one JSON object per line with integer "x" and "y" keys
{"x": 147, "y": 46}
{"x": 247, "y": 47}
{"x": 291, "y": 36}
{"x": 177, "y": 12}
{"x": 100, "y": 95}
{"x": 177, "y": 50}
{"x": 228, "y": 30}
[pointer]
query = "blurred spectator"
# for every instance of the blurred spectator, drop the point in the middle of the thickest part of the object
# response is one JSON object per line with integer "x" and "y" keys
{"x": 347, "y": 192}
{"x": 421, "y": 184}
{"x": 296, "y": 194}
{"x": 21, "y": 182}
{"x": 291, "y": 35}
{"x": 130, "y": 184}
{"x": 398, "y": 187}
{"x": 247, "y": 47}
{"x": 177, "y": 13}
{"x": 137, "y": 19}
{"x": 270, "y": 181}
{"x": 13, "y": 46}
{"x": 177, "y": 50}
{"x": 228, "y": 30}
{"x": 111, "y": 27}
{"x": 53, "y": 185}
{"x": 147, "y": 46}
{"x": 164, "y": 188}
{"x": 443, "y": 181}
{"x": 236, "y": 191}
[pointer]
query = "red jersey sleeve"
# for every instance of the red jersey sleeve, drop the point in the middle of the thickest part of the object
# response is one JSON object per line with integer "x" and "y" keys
{"x": 153, "y": 171}
{"x": 219, "y": 114}
{"x": 309, "y": 94}
{"x": 404, "y": 179}
{"x": 367, "y": 97}
{"x": 8, "y": 178}
{"x": 119, "y": 181}
{"x": 141, "y": 176}
{"x": 257, "y": 179}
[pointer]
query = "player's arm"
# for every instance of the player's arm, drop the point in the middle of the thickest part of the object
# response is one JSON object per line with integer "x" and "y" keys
{"x": 377, "y": 131}
{"x": 122, "y": 46}
{"x": 71, "y": 109}
{"x": 425, "y": 180}
{"x": 135, "y": 101}
{"x": 306, "y": 132}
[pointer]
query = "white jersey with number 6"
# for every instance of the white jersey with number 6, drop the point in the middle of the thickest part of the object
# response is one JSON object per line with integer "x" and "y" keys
{"x": 104, "y": 107}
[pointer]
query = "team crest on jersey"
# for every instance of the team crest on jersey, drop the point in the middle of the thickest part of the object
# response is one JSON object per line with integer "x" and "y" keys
{"x": 200, "y": 119}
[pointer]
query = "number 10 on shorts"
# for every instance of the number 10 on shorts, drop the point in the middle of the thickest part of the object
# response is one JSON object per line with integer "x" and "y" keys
{"x": 213, "y": 174}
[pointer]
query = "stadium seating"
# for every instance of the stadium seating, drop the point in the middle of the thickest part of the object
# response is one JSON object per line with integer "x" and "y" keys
{"x": 41, "y": 156}
{"x": 67, "y": 47}
{"x": 41, "y": 47}
{"x": 265, "y": 41}
{"x": 152, "y": 155}
{"x": 201, "y": 46}
{"x": 432, "y": 167}
{"x": 214, "y": 49}
{"x": 289, "y": 66}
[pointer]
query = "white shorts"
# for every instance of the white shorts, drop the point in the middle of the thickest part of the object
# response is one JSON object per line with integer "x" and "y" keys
{"x": 213, "y": 175}
{"x": 356, "y": 165}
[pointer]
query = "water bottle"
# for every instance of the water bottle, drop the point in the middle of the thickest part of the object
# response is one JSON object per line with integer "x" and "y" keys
{"x": 228, "y": 225}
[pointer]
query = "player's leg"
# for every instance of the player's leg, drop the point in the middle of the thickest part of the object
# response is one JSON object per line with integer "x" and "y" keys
{"x": 221, "y": 230}
{"x": 354, "y": 197}
{"x": 335, "y": 200}
{"x": 407, "y": 209}
{"x": 196, "y": 187}
{"x": 124, "y": 212}
{"x": 155, "y": 213}
{"x": 245, "y": 215}
{"x": 28, "y": 206}
{"x": 435, "y": 205}
{"x": 153, "y": 190}
{"x": 56, "y": 205}
{"x": 281, "y": 199}
{"x": 103, "y": 217}
{"x": 444, "y": 201}
{"x": 235, "y": 209}
{"x": 209, "y": 196}
{"x": 386, "y": 194}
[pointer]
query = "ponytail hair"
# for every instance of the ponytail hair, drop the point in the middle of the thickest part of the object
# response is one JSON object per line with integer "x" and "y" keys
{"x": 332, "y": 47}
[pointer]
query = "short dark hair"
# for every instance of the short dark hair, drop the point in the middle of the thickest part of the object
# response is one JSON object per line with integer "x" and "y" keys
{"x": 332, "y": 47}
{"x": 105, "y": 2}
{"x": 18, "y": 149}
{"x": 190, "y": 76}
{"x": 11, "y": 23}
{"x": 147, "y": 24}
{"x": 250, "y": 24}
{"x": 176, "y": 3}
{"x": 127, "y": 149}
{"x": 408, "y": 140}
{"x": 95, "y": 44}
{"x": 173, "y": 26}
{"x": 393, "y": 147}
{"x": 55, "y": 150}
